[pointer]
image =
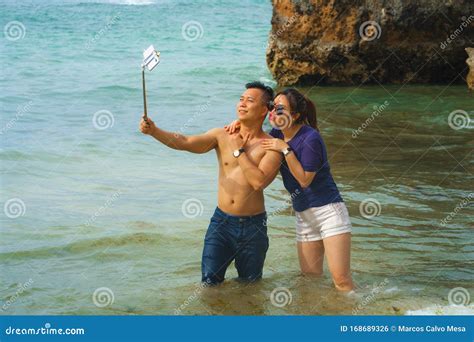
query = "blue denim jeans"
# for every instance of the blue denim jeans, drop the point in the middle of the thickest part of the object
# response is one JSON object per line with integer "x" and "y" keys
{"x": 243, "y": 238}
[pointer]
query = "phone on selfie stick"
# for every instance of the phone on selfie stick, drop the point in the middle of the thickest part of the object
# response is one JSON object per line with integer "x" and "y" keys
{"x": 151, "y": 58}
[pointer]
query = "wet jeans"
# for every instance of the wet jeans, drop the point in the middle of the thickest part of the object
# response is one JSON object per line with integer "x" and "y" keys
{"x": 243, "y": 238}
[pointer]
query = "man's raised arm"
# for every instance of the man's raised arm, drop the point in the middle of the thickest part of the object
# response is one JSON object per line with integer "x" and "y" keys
{"x": 201, "y": 143}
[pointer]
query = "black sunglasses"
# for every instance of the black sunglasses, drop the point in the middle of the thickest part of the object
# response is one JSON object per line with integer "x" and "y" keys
{"x": 280, "y": 109}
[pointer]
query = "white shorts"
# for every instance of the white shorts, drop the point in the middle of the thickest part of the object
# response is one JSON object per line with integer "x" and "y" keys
{"x": 318, "y": 223}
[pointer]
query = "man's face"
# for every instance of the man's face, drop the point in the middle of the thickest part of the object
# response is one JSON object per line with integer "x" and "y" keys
{"x": 251, "y": 106}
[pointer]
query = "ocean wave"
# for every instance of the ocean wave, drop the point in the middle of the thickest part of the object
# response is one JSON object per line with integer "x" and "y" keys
{"x": 132, "y": 2}
{"x": 116, "y": 88}
{"x": 14, "y": 155}
{"x": 122, "y": 2}
{"x": 89, "y": 246}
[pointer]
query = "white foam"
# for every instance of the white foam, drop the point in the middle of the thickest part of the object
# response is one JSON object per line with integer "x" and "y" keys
{"x": 138, "y": 2}
{"x": 129, "y": 2}
{"x": 351, "y": 293}
{"x": 443, "y": 310}
{"x": 391, "y": 290}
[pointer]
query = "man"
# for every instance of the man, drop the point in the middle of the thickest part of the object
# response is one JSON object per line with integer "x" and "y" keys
{"x": 238, "y": 227}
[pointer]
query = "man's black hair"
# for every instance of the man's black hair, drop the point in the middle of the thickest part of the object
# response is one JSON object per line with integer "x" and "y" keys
{"x": 267, "y": 92}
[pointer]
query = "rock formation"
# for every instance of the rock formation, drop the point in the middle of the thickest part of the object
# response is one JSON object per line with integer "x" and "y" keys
{"x": 369, "y": 41}
{"x": 470, "y": 64}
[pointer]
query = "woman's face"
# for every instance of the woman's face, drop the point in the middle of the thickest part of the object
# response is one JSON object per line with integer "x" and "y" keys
{"x": 280, "y": 117}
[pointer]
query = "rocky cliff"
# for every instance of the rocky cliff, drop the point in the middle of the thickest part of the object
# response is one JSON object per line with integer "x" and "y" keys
{"x": 470, "y": 64}
{"x": 370, "y": 41}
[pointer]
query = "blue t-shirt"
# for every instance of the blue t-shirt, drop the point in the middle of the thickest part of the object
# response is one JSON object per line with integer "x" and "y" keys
{"x": 308, "y": 147}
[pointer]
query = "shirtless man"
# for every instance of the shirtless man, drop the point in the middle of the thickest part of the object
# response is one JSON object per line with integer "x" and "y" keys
{"x": 238, "y": 228}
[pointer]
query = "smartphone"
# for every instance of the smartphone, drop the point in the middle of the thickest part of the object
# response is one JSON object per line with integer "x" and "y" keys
{"x": 151, "y": 58}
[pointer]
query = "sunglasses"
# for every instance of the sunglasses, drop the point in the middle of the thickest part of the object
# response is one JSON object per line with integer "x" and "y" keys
{"x": 280, "y": 109}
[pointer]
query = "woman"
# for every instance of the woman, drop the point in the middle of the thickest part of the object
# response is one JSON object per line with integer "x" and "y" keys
{"x": 323, "y": 225}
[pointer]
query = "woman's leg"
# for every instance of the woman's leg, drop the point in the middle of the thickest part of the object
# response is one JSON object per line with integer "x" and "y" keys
{"x": 338, "y": 254}
{"x": 311, "y": 256}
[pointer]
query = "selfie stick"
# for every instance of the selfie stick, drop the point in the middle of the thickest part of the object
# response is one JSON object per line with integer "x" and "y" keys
{"x": 144, "y": 93}
{"x": 151, "y": 58}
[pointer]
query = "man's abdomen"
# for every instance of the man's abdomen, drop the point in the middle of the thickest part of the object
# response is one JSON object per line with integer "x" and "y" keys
{"x": 240, "y": 200}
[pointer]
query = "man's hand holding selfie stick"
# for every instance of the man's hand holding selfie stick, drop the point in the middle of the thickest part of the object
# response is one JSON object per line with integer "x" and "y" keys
{"x": 147, "y": 126}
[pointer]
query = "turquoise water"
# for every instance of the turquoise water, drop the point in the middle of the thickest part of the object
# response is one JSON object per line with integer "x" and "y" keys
{"x": 101, "y": 206}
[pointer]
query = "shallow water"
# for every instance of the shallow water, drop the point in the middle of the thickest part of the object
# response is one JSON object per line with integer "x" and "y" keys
{"x": 103, "y": 208}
